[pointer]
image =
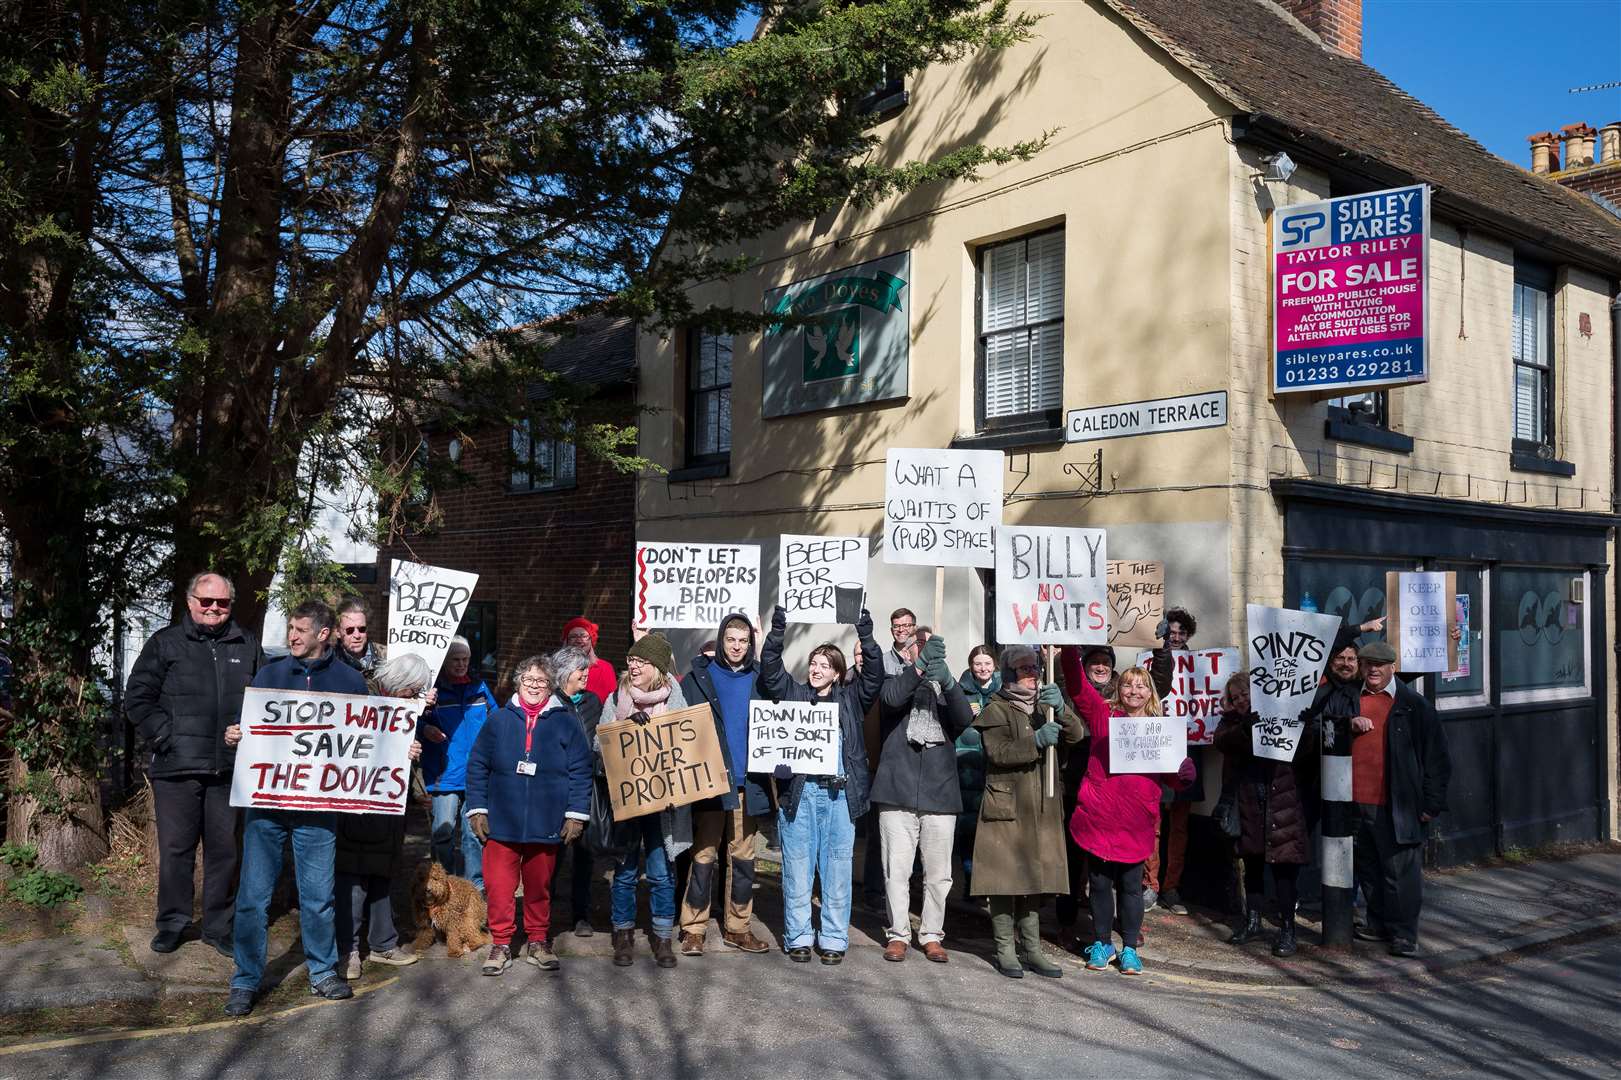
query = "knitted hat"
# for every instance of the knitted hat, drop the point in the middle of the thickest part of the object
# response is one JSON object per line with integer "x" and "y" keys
{"x": 655, "y": 649}
{"x": 1096, "y": 650}
{"x": 1378, "y": 652}
{"x": 580, "y": 622}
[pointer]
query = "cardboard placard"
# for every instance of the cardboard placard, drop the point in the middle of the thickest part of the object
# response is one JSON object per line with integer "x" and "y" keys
{"x": 941, "y": 507}
{"x": 1420, "y": 609}
{"x": 802, "y": 735}
{"x": 1146, "y": 744}
{"x": 1051, "y": 586}
{"x": 349, "y": 753}
{"x": 425, "y": 608}
{"x": 695, "y": 586}
{"x": 672, "y": 760}
{"x": 1288, "y": 651}
{"x": 822, "y": 579}
{"x": 1198, "y": 678}
{"x": 1136, "y": 601}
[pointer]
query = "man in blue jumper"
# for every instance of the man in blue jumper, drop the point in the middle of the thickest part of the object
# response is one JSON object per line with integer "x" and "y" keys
{"x": 310, "y": 664}
{"x": 725, "y": 682}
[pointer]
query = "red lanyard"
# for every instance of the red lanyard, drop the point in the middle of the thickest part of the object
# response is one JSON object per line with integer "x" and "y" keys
{"x": 529, "y": 732}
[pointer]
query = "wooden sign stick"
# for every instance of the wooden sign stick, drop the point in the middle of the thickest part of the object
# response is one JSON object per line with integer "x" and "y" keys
{"x": 1051, "y": 765}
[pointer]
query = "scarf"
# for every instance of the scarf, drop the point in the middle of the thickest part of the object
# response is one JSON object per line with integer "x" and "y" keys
{"x": 530, "y": 712}
{"x": 630, "y": 700}
{"x": 1024, "y": 700}
{"x": 923, "y": 723}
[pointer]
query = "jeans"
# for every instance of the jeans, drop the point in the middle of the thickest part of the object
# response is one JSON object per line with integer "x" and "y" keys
{"x": 358, "y": 899}
{"x": 314, "y": 837}
{"x": 644, "y": 840}
{"x": 905, "y": 833}
{"x": 819, "y": 839}
{"x": 1128, "y": 879}
{"x": 188, "y": 809}
{"x": 448, "y": 820}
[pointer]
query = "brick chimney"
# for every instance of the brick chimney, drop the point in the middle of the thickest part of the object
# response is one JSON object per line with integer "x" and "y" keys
{"x": 1544, "y": 152}
{"x": 1337, "y": 22}
{"x": 1578, "y": 139}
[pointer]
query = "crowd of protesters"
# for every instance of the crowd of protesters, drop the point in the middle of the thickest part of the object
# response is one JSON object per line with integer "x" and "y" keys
{"x": 1001, "y": 770}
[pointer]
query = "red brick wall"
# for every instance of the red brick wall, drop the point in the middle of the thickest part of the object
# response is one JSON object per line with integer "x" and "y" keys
{"x": 1337, "y": 22}
{"x": 1602, "y": 180}
{"x": 543, "y": 557}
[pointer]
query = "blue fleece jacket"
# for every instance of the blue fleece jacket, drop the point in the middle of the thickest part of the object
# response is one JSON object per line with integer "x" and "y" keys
{"x": 459, "y": 712}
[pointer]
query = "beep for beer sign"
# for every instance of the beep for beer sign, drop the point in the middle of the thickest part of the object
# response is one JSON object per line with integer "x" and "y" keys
{"x": 1350, "y": 290}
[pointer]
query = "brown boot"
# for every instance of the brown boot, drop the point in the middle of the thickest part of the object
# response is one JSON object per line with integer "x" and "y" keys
{"x": 624, "y": 948}
{"x": 745, "y": 941}
{"x": 663, "y": 952}
{"x": 692, "y": 944}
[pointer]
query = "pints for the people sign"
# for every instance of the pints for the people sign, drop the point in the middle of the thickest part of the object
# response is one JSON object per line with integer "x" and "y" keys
{"x": 1350, "y": 288}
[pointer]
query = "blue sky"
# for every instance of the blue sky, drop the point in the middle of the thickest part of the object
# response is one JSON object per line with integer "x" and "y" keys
{"x": 1500, "y": 69}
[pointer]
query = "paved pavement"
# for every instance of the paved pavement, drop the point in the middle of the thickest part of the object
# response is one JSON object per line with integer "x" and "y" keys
{"x": 1518, "y": 980}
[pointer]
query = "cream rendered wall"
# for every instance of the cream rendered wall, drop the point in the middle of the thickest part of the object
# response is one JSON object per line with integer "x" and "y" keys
{"x": 1137, "y": 173}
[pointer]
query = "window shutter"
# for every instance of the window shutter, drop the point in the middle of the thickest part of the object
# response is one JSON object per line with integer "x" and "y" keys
{"x": 1023, "y": 285}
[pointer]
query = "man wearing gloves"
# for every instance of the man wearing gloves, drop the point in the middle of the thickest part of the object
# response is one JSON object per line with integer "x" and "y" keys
{"x": 918, "y": 799}
{"x": 1019, "y": 846}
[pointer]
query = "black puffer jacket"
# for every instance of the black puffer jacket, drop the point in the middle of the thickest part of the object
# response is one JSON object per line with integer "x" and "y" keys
{"x": 1275, "y": 798}
{"x": 185, "y": 690}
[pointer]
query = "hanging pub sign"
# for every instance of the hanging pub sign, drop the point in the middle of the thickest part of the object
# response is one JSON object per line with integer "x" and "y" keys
{"x": 1350, "y": 292}
{"x": 850, "y": 344}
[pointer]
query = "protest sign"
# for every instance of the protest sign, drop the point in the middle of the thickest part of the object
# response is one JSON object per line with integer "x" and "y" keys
{"x": 1146, "y": 744}
{"x": 1350, "y": 286}
{"x": 425, "y": 607}
{"x": 1136, "y": 601}
{"x": 1197, "y": 681}
{"x": 330, "y": 752}
{"x": 822, "y": 579}
{"x": 695, "y": 586}
{"x": 672, "y": 760}
{"x": 1051, "y": 586}
{"x": 942, "y": 506}
{"x": 1288, "y": 650}
{"x": 1420, "y": 609}
{"x": 799, "y": 734}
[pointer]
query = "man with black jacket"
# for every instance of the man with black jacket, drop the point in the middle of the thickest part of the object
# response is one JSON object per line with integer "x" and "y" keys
{"x": 726, "y": 683}
{"x": 917, "y": 798}
{"x": 184, "y": 691}
{"x": 1399, "y": 774}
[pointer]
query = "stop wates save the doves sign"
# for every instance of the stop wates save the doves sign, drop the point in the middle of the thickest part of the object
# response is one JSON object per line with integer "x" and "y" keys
{"x": 347, "y": 753}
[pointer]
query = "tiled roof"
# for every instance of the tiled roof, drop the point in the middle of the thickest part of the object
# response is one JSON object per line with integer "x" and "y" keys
{"x": 1261, "y": 60}
{"x": 599, "y": 350}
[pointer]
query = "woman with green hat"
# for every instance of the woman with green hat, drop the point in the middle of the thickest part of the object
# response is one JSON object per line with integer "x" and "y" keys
{"x": 652, "y": 842}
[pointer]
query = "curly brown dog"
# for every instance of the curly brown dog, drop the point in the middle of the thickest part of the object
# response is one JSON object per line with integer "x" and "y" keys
{"x": 447, "y": 907}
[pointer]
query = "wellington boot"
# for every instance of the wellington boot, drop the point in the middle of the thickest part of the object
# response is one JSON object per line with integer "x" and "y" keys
{"x": 1031, "y": 954}
{"x": 1002, "y": 929}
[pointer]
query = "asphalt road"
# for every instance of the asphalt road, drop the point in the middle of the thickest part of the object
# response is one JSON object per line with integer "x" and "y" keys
{"x": 730, "y": 1016}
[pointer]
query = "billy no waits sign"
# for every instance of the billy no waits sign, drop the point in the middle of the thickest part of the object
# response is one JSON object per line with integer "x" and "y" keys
{"x": 1186, "y": 413}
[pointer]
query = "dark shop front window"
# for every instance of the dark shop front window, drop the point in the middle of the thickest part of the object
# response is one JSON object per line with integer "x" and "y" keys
{"x": 1540, "y": 621}
{"x": 1353, "y": 590}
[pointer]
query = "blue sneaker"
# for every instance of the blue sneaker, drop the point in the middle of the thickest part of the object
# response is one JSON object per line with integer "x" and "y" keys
{"x": 1130, "y": 963}
{"x": 1098, "y": 956}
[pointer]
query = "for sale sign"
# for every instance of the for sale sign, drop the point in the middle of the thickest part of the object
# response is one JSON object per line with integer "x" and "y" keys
{"x": 1350, "y": 288}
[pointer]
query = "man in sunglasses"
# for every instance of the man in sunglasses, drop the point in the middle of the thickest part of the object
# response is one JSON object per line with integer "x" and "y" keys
{"x": 355, "y": 647}
{"x": 184, "y": 691}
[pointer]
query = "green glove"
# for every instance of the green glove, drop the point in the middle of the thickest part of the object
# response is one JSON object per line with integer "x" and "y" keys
{"x": 1047, "y": 734}
{"x": 932, "y": 658}
{"x": 1050, "y": 696}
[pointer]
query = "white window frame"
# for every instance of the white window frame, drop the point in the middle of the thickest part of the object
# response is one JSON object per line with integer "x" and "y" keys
{"x": 1483, "y": 619}
{"x": 1563, "y": 693}
{"x": 983, "y": 416}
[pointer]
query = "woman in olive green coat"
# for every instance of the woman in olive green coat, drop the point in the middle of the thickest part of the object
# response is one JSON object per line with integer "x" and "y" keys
{"x": 1019, "y": 846}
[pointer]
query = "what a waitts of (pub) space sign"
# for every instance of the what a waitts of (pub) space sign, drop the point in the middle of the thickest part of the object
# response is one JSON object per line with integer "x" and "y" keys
{"x": 1051, "y": 586}
{"x": 347, "y": 753}
{"x": 425, "y": 608}
{"x": 941, "y": 507}
{"x": 1350, "y": 289}
{"x": 695, "y": 586}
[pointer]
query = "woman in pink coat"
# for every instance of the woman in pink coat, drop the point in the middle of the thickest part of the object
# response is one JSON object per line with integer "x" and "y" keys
{"x": 1115, "y": 814}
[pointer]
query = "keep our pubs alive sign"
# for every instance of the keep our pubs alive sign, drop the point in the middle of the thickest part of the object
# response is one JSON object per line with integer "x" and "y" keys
{"x": 1350, "y": 291}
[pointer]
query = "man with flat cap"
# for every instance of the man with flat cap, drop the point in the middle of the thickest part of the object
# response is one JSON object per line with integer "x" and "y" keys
{"x": 1399, "y": 774}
